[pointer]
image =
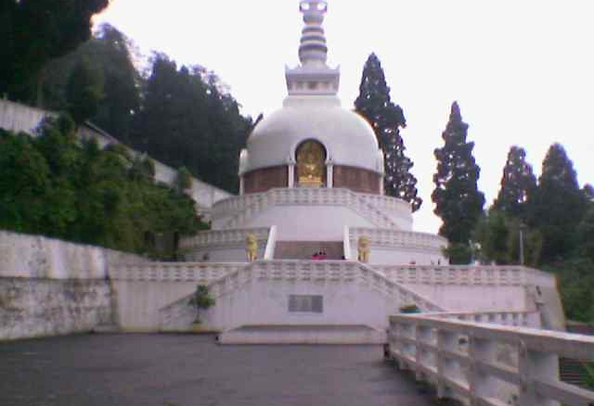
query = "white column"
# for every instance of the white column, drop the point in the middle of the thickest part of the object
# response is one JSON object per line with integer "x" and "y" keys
{"x": 241, "y": 186}
{"x": 291, "y": 168}
{"x": 382, "y": 190}
{"x": 330, "y": 176}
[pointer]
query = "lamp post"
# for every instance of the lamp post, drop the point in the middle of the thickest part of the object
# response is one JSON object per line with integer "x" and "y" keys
{"x": 522, "y": 228}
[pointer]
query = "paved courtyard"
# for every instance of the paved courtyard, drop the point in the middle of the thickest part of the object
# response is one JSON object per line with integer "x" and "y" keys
{"x": 189, "y": 370}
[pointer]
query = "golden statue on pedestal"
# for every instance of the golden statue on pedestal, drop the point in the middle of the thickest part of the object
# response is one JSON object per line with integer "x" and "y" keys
{"x": 363, "y": 249}
{"x": 311, "y": 158}
{"x": 251, "y": 247}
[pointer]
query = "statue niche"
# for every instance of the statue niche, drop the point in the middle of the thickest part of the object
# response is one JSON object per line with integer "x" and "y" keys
{"x": 311, "y": 166}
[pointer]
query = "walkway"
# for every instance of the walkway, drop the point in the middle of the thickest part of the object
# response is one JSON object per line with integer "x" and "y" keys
{"x": 188, "y": 370}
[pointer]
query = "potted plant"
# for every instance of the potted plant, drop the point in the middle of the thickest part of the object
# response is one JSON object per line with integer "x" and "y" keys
{"x": 201, "y": 299}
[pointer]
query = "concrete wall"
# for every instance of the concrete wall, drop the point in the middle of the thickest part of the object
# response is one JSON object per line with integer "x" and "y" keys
{"x": 50, "y": 287}
{"x": 28, "y": 256}
{"x": 18, "y": 117}
{"x": 148, "y": 306}
{"x": 31, "y": 307}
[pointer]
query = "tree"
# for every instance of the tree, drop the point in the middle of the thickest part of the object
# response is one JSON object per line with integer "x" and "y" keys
{"x": 585, "y": 235}
{"x": 517, "y": 185}
{"x": 458, "y": 201}
{"x": 36, "y": 31}
{"x": 84, "y": 92}
{"x": 53, "y": 185}
{"x": 387, "y": 119}
{"x": 497, "y": 235}
{"x": 558, "y": 205}
{"x": 188, "y": 119}
{"x": 110, "y": 53}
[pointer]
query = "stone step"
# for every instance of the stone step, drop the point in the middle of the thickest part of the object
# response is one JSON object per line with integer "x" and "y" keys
{"x": 303, "y": 334}
{"x": 305, "y": 249}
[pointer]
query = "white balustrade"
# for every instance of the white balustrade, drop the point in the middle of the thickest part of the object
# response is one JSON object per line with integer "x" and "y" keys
{"x": 203, "y": 272}
{"x": 321, "y": 271}
{"x": 223, "y": 237}
{"x": 244, "y": 208}
{"x": 478, "y": 275}
{"x": 397, "y": 238}
{"x": 487, "y": 364}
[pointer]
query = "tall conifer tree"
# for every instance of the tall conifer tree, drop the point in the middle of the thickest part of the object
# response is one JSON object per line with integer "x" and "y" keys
{"x": 458, "y": 201}
{"x": 517, "y": 185}
{"x": 558, "y": 205}
{"x": 387, "y": 119}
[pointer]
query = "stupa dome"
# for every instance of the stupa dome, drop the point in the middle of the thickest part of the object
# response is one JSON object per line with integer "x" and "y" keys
{"x": 347, "y": 137}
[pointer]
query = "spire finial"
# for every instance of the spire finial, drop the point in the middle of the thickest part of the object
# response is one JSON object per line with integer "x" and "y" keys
{"x": 313, "y": 77}
{"x": 313, "y": 47}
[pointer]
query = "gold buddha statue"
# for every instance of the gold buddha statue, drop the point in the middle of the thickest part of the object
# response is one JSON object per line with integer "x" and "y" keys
{"x": 310, "y": 164}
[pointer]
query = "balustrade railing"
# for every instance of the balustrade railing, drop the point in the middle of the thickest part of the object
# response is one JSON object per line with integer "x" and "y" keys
{"x": 322, "y": 271}
{"x": 246, "y": 207}
{"x": 495, "y": 275}
{"x": 391, "y": 237}
{"x": 487, "y": 364}
{"x": 224, "y": 237}
{"x": 203, "y": 272}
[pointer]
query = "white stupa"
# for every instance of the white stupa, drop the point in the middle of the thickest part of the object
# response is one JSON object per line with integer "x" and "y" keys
{"x": 312, "y": 178}
{"x": 311, "y": 181}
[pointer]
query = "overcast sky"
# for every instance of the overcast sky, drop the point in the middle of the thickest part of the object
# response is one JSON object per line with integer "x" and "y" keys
{"x": 521, "y": 70}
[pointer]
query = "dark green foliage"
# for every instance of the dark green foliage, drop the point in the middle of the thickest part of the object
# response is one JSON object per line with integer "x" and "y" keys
{"x": 184, "y": 178}
{"x": 201, "y": 300}
{"x": 459, "y": 253}
{"x": 110, "y": 54}
{"x": 517, "y": 185}
{"x": 576, "y": 283}
{"x": 36, "y": 31}
{"x": 497, "y": 237}
{"x": 387, "y": 119}
{"x": 84, "y": 91}
{"x": 458, "y": 201}
{"x": 53, "y": 186}
{"x": 589, "y": 367}
{"x": 187, "y": 120}
{"x": 181, "y": 117}
{"x": 558, "y": 205}
{"x": 585, "y": 236}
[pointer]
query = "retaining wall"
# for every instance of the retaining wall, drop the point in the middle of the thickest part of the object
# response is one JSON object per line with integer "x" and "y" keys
{"x": 52, "y": 287}
{"x": 33, "y": 307}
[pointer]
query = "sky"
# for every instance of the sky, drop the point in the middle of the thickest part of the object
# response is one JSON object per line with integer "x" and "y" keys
{"x": 522, "y": 71}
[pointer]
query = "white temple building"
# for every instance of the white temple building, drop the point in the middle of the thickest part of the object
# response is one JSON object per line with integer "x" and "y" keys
{"x": 312, "y": 180}
{"x": 312, "y": 176}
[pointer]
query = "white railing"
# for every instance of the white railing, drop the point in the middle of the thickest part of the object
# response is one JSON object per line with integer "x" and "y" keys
{"x": 492, "y": 275}
{"x": 387, "y": 202}
{"x": 321, "y": 271}
{"x": 234, "y": 205}
{"x": 522, "y": 318}
{"x": 247, "y": 207}
{"x": 224, "y": 237}
{"x": 397, "y": 238}
{"x": 485, "y": 364}
{"x": 202, "y": 272}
